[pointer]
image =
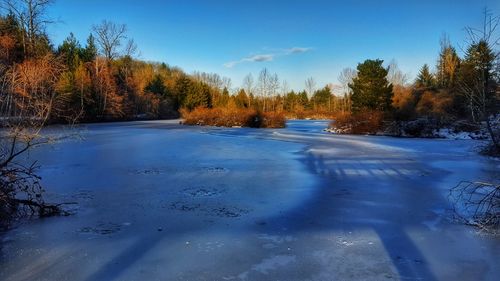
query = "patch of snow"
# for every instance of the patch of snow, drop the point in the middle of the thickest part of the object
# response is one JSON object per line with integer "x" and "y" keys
{"x": 448, "y": 133}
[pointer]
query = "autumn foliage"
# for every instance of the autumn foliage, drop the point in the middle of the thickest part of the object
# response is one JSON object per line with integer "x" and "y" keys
{"x": 233, "y": 117}
{"x": 364, "y": 122}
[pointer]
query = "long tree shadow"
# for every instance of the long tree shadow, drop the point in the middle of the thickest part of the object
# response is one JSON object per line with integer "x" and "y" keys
{"x": 397, "y": 189}
{"x": 118, "y": 265}
{"x": 393, "y": 187}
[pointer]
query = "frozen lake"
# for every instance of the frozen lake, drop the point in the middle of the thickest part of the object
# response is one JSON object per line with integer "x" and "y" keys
{"x": 159, "y": 201}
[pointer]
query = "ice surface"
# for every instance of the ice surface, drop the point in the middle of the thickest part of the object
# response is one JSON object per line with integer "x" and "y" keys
{"x": 159, "y": 201}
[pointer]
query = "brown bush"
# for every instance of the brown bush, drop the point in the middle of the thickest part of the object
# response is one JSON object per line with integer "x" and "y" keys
{"x": 273, "y": 120}
{"x": 233, "y": 117}
{"x": 403, "y": 103}
{"x": 310, "y": 114}
{"x": 366, "y": 122}
{"x": 435, "y": 104}
{"x": 7, "y": 45}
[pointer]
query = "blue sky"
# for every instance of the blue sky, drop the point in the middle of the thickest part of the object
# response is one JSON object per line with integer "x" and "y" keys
{"x": 296, "y": 39}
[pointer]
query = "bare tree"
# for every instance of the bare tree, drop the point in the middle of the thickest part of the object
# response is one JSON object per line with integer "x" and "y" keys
{"x": 226, "y": 82}
{"x": 285, "y": 88}
{"x": 488, "y": 32}
{"x": 213, "y": 80}
{"x": 274, "y": 85}
{"x": 310, "y": 86}
{"x": 249, "y": 87}
{"x": 32, "y": 18}
{"x": 107, "y": 100}
{"x": 248, "y": 83}
{"x": 268, "y": 85}
{"x": 109, "y": 37}
{"x": 395, "y": 76}
{"x": 30, "y": 88}
{"x": 131, "y": 48}
{"x": 345, "y": 78}
{"x": 263, "y": 86}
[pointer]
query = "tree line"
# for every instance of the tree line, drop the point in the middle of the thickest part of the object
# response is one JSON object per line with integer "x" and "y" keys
{"x": 463, "y": 91}
{"x": 98, "y": 80}
{"x": 102, "y": 80}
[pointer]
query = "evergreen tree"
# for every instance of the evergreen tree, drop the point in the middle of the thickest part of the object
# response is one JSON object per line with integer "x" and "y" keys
{"x": 156, "y": 86}
{"x": 290, "y": 101}
{"x": 198, "y": 95}
{"x": 322, "y": 97}
{"x": 182, "y": 85}
{"x": 370, "y": 89}
{"x": 241, "y": 99}
{"x": 477, "y": 82}
{"x": 9, "y": 25}
{"x": 70, "y": 49}
{"x": 223, "y": 98}
{"x": 482, "y": 58}
{"x": 425, "y": 78}
{"x": 89, "y": 53}
{"x": 302, "y": 99}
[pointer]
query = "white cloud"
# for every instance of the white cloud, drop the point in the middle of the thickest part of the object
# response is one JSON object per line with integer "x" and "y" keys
{"x": 259, "y": 58}
{"x": 256, "y": 58}
{"x": 268, "y": 57}
{"x": 297, "y": 50}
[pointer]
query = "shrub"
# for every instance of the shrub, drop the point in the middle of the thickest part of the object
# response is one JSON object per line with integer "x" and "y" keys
{"x": 273, "y": 120}
{"x": 365, "y": 122}
{"x": 233, "y": 117}
{"x": 435, "y": 104}
{"x": 403, "y": 103}
{"x": 422, "y": 127}
{"x": 310, "y": 114}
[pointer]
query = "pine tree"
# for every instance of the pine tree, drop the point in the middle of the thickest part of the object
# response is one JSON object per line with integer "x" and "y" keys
{"x": 156, "y": 86}
{"x": 182, "y": 85}
{"x": 370, "y": 89}
{"x": 89, "y": 53}
{"x": 425, "y": 78}
{"x": 302, "y": 99}
{"x": 477, "y": 83}
{"x": 71, "y": 50}
{"x": 241, "y": 99}
{"x": 198, "y": 95}
{"x": 322, "y": 97}
{"x": 223, "y": 98}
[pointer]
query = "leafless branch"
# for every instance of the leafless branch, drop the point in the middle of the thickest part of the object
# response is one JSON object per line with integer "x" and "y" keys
{"x": 477, "y": 203}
